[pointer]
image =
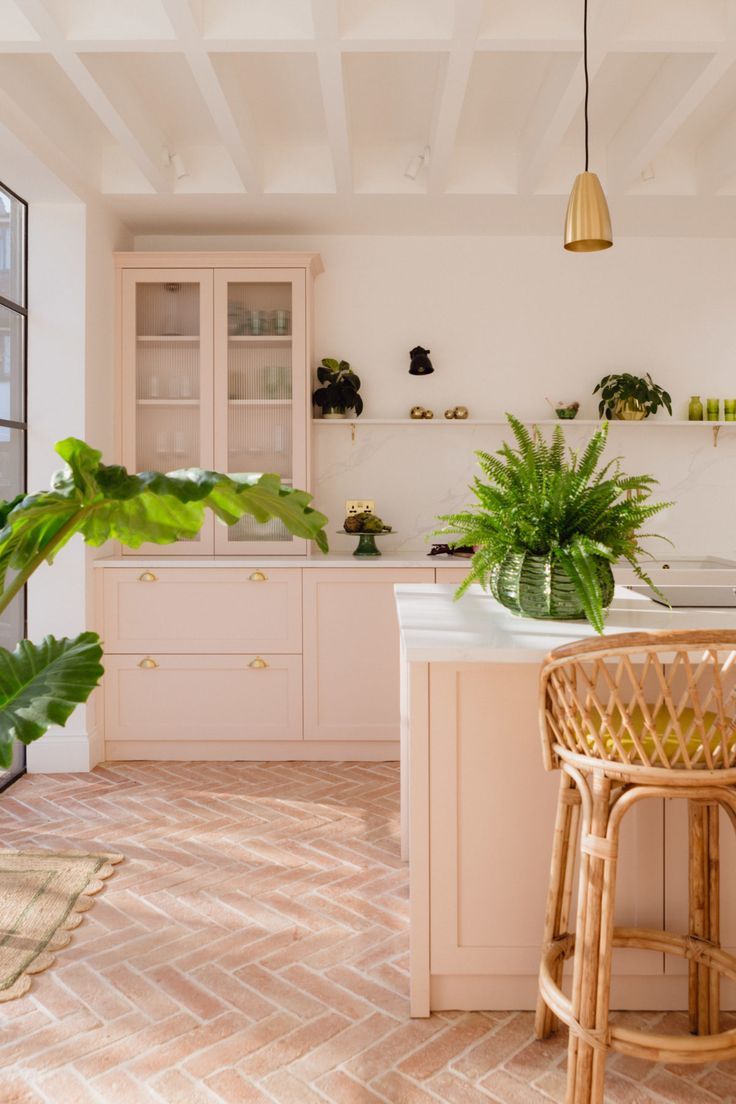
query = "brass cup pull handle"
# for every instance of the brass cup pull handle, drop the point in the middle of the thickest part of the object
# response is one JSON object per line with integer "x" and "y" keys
{"x": 258, "y": 664}
{"x": 257, "y": 577}
{"x": 147, "y": 577}
{"x": 148, "y": 663}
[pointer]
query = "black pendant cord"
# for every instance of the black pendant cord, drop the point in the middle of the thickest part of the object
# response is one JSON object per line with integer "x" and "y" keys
{"x": 587, "y": 81}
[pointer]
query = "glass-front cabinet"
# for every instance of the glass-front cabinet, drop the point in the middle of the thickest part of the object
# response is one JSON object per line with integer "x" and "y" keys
{"x": 215, "y": 374}
{"x": 260, "y": 397}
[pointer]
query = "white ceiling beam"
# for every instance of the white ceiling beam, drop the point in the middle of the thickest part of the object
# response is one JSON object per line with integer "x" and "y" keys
{"x": 142, "y": 145}
{"x": 679, "y": 88}
{"x": 237, "y": 136}
{"x": 560, "y": 96}
{"x": 716, "y": 160}
{"x": 325, "y": 17}
{"x": 452, "y": 88}
{"x": 236, "y": 44}
{"x": 36, "y": 140}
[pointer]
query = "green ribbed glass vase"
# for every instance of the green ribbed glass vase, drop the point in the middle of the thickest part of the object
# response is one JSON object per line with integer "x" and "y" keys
{"x": 537, "y": 586}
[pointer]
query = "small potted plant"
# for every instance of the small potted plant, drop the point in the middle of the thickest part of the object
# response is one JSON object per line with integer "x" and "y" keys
{"x": 339, "y": 392}
{"x": 548, "y": 525}
{"x": 630, "y": 398}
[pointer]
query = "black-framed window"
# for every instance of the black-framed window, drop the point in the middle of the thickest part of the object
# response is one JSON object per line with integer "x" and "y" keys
{"x": 13, "y": 372}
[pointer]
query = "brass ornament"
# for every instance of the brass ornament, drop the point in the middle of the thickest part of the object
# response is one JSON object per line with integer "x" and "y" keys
{"x": 449, "y": 414}
{"x": 461, "y": 412}
{"x": 416, "y": 412}
{"x": 428, "y": 414}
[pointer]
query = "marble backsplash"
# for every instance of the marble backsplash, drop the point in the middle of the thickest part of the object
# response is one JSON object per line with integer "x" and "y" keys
{"x": 417, "y": 472}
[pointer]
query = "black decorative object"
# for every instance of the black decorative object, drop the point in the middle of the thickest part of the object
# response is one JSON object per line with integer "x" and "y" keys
{"x": 420, "y": 364}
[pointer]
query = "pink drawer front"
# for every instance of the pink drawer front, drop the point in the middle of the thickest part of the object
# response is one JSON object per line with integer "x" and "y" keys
{"x": 208, "y": 610}
{"x": 199, "y": 698}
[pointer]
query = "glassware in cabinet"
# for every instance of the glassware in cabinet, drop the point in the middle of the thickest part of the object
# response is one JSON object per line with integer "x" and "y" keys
{"x": 167, "y": 366}
{"x": 261, "y": 388}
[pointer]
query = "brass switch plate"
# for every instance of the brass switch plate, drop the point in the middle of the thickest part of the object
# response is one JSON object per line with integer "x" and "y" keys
{"x": 359, "y": 506}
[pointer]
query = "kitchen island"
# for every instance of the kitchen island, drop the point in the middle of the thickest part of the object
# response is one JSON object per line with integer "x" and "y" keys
{"x": 478, "y": 809}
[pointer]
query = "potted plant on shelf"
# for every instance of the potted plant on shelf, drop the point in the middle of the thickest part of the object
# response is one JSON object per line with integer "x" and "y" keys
{"x": 339, "y": 392}
{"x": 41, "y": 684}
{"x": 630, "y": 398}
{"x": 549, "y": 524}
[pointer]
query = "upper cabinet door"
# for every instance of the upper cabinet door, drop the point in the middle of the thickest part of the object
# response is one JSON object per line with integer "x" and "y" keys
{"x": 261, "y": 408}
{"x": 167, "y": 369}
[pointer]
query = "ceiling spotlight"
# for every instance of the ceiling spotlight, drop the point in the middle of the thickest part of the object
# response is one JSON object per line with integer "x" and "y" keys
{"x": 416, "y": 163}
{"x": 176, "y": 161}
{"x": 177, "y": 164}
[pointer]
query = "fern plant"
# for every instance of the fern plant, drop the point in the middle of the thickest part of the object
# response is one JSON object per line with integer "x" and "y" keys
{"x": 540, "y": 500}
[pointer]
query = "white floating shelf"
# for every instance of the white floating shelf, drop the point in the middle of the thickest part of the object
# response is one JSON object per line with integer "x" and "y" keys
{"x": 661, "y": 423}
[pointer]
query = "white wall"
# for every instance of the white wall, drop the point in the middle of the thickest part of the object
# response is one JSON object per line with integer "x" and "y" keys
{"x": 70, "y": 373}
{"x": 510, "y": 321}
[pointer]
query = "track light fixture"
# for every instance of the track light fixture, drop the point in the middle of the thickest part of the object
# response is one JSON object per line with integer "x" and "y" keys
{"x": 416, "y": 163}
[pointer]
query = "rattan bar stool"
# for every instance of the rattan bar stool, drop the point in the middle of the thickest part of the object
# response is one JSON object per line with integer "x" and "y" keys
{"x": 629, "y": 717}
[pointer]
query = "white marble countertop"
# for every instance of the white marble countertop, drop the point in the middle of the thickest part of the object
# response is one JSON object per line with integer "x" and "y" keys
{"x": 332, "y": 559}
{"x": 436, "y": 629}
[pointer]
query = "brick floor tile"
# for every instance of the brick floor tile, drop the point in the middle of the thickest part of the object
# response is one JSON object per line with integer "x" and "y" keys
{"x": 342, "y": 1046}
{"x": 281, "y": 1052}
{"x": 498, "y": 1046}
{"x": 400, "y": 1090}
{"x": 342, "y": 1089}
{"x": 444, "y": 1049}
{"x": 231, "y": 1087}
{"x": 230, "y": 1051}
{"x": 503, "y": 1087}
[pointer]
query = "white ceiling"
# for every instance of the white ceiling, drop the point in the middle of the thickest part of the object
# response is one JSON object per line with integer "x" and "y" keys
{"x": 301, "y": 115}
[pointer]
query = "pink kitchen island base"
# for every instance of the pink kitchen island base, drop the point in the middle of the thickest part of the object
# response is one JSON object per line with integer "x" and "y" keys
{"x": 478, "y": 810}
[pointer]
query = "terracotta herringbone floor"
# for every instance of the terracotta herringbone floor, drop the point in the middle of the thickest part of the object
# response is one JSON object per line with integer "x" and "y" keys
{"x": 253, "y": 948}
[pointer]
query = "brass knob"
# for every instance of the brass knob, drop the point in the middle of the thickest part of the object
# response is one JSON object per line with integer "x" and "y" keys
{"x": 258, "y": 664}
{"x": 148, "y": 663}
{"x": 257, "y": 577}
{"x": 147, "y": 577}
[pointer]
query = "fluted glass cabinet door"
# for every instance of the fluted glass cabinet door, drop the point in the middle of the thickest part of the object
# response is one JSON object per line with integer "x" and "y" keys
{"x": 260, "y": 392}
{"x": 167, "y": 351}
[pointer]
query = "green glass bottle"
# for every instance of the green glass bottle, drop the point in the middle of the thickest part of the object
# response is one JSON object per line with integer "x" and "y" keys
{"x": 695, "y": 409}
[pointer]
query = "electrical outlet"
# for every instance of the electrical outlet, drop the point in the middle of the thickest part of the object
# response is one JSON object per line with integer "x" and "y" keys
{"x": 358, "y": 506}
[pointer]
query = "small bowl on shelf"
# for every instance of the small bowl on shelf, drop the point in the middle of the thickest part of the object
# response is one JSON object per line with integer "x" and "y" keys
{"x": 566, "y": 411}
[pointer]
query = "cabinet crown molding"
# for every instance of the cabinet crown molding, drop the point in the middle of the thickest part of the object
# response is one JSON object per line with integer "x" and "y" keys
{"x": 312, "y": 262}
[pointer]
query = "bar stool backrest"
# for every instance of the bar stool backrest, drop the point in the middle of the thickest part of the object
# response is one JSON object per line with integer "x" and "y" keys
{"x": 661, "y": 701}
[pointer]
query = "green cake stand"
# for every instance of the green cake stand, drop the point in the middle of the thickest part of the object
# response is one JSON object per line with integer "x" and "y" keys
{"x": 367, "y": 541}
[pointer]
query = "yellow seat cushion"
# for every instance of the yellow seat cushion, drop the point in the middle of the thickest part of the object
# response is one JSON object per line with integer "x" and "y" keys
{"x": 666, "y": 733}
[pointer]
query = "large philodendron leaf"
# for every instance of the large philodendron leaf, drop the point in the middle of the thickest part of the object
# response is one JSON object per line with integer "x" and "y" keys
{"x": 42, "y": 684}
{"x": 105, "y": 502}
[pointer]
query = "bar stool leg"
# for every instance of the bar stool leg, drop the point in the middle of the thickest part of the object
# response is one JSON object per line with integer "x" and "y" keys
{"x": 704, "y": 914}
{"x": 560, "y": 888}
{"x": 592, "y": 951}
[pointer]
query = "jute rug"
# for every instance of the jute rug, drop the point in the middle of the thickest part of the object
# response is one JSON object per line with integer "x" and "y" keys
{"x": 43, "y": 895}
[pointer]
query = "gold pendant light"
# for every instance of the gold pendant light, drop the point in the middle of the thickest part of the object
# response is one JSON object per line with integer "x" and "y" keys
{"x": 588, "y": 222}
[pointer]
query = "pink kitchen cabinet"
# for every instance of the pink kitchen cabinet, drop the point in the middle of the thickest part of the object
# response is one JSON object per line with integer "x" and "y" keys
{"x": 211, "y": 609}
{"x": 351, "y": 652}
{"x": 177, "y": 706}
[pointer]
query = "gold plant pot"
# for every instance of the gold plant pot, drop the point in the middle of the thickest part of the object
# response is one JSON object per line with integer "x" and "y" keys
{"x": 629, "y": 410}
